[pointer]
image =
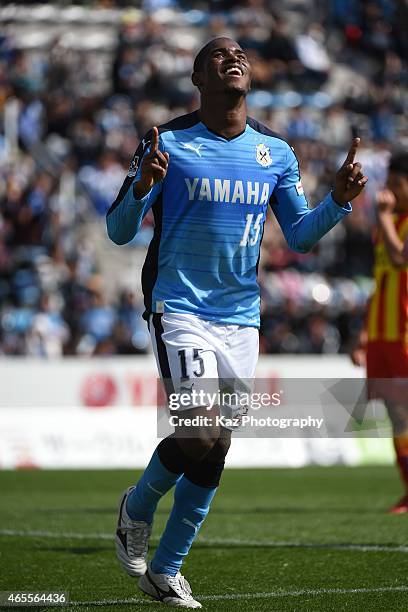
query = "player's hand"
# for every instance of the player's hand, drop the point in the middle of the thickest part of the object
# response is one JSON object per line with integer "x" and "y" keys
{"x": 154, "y": 167}
{"x": 386, "y": 201}
{"x": 350, "y": 180}
{"x": 359, "y": 349}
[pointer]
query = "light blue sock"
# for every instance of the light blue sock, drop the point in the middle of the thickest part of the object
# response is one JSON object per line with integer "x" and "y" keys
{"x": 191, "y": 506}
{"x": 154, "y": 483}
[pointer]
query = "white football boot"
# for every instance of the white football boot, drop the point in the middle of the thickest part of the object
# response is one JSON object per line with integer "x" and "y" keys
{"x": 132, "y": 540}
{"x": 171, "y": 590}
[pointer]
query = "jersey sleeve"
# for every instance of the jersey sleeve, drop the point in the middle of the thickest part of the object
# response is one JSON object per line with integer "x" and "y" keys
{"x": 302, "y": 227}
{"x": 126, "y": 214}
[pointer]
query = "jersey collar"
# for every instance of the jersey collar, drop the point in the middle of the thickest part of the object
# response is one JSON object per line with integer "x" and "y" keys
{"x": 237, "y": 136}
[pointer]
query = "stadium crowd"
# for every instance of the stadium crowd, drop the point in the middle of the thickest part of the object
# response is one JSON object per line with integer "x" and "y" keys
{"x": 79, "y": 87}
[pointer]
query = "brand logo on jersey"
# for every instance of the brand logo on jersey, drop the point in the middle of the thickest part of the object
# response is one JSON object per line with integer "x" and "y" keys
{"x": 225, "y": 190}
{"x": 191, "y": 147}
{"x": 134, "y": 164}
{"x": 263, "y": 156}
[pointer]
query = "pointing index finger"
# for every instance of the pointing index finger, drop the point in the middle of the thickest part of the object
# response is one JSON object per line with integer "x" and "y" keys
{"x": 352, "y": 152}
{"x": 155, "y": 140}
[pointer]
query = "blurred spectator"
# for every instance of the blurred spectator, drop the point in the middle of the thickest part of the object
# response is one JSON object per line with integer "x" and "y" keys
{"x": 131, "y": 333}
{"x": 103, "y": 180}
{"x": 313, "y": 55}
{"x": 99, "y": 319}
{"x": 301, "y": 125}
{"x": 336, "y": 127}
{"x": 280, "y": 53}
{"x": 48, "y": 332}
{"x": 399, "y": 26}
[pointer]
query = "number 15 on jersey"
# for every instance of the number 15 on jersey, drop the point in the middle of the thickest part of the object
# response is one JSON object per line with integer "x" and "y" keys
{"x": 256, "y": 227}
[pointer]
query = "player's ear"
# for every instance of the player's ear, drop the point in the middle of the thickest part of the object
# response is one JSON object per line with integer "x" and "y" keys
{"x": 195, "y": 77}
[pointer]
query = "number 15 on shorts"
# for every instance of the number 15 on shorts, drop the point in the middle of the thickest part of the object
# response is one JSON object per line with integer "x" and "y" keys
{"x": 191, "y": 364}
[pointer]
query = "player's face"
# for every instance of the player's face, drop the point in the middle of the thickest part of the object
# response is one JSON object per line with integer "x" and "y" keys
{"x": 226, "y": 68}
{"x": 398, "y": 184}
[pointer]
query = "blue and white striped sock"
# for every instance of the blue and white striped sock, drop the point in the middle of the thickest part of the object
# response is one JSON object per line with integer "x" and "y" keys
{"x": 154, "y": 483}
{"x": 191, "y": 506}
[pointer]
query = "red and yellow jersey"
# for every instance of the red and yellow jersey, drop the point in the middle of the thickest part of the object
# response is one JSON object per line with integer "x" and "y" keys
{"x": 388, "y": 311}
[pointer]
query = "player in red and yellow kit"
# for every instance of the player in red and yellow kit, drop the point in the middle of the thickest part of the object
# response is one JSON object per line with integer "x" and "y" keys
{"x": 385, "y": 338}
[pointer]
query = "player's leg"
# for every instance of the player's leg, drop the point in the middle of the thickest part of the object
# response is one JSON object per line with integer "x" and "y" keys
{"x": 191, "y": 356}
{"x": 397, "y": 405}
{"x": 139, "y": 502}
{"x": 398, "y": 413}
{"x": 236, "y": 354}
{"x": 193, "y": 495}
{"x": 387, "y": 368}
{"x": 401, "y": 451}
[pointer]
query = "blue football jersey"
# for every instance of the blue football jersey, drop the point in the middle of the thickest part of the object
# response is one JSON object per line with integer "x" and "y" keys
{"x": 209, "y": 214}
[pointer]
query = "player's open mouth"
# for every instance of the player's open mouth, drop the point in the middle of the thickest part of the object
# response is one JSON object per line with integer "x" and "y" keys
{"x": 234, "y": 71}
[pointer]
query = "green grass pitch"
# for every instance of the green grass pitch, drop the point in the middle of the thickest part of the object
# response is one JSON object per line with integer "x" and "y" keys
{"x": 276, "y": 539}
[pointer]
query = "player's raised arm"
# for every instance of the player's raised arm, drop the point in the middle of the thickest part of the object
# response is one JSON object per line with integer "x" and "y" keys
{"x": 303, "y": 227}
{"x": 139, "y": 190}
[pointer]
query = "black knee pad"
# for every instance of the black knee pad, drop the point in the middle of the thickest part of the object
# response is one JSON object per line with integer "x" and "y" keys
{"x": 219, "y": 450}
{"x": 171, "y": 455}
{"x": 204, "y": 473}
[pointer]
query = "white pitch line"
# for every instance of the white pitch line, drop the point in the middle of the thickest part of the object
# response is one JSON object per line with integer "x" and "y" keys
{"x": 238, "y": 596}
{"x": 57, "y": 535}
{"x": 277, "y": 544}
{"x": 212, "y": 541}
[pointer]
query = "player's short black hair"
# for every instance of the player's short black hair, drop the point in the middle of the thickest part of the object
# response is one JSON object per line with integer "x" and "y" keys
{"x": 200, "y": 57}
{"x": 202, "y": 54}
{"x": 399, "y": 163}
